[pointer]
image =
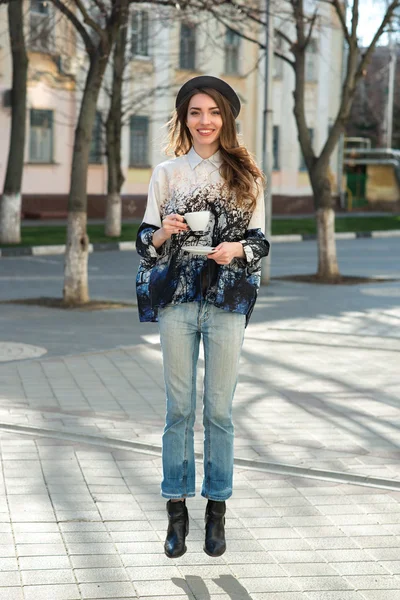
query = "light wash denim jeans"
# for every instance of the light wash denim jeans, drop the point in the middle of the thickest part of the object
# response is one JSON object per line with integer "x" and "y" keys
{"x": 181, "y": 326}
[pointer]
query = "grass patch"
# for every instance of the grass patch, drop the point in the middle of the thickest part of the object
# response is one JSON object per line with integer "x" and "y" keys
{"x": 342, "y": 225}
{"x": 49, "y": 235}
{"x": 55, "y": 235}
{"x": 59, "y": 303}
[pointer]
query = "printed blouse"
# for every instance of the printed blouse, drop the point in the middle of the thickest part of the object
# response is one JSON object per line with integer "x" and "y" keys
{"x": 171, "y": 275}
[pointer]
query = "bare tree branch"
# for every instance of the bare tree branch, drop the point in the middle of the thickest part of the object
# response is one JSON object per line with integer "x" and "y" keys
{"x": 88, "y": 19}
{"x": 284, "y": 37}
{"x": 366, "y": 56}
{"x": 342, "y": 19}
{"x": 90, "y": 47}
{"x": 283, "y": 57}
{"x": 313, "y": 21}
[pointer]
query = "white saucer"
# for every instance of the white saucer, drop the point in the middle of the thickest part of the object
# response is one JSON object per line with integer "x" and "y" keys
{"x": 199, "y": 249}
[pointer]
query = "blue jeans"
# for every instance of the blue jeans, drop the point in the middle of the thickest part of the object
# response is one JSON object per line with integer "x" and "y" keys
{"x": 181, "y": 326}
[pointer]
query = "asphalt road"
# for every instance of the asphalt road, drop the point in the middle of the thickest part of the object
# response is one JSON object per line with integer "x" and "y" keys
{"x": 112, "y": 277}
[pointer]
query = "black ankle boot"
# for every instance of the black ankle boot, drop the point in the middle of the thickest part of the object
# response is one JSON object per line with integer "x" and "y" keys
{"x": 178, "y": 528}
{"x": 215, "y": 544}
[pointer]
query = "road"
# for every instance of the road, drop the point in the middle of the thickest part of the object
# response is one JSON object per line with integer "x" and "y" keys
{"x": 112, "y": 277}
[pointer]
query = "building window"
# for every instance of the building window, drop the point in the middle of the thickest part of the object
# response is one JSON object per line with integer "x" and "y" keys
{"x": 277, "y": 63}
{"x": 311, "y": 61}
{"x": 303, "y": 166}
{"x": 232, "y": 46}
{"x": 275, "y": 148}
{"x": 140, "y": 33}
{"x": 41, "y": 136}
{"x": 187, "y": 56}
{"x": 139, "y": 142}
{"x": 96, "y": 146}
{"x": 41, "y": 27}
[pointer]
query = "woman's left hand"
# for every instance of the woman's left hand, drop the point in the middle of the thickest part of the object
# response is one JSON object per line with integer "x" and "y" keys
{"x": 224, "y": 253}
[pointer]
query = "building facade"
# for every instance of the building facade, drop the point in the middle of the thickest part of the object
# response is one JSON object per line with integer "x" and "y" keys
{"x": 164, "y": 50}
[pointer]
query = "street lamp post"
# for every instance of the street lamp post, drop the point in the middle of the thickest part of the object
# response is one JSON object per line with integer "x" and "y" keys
{"x": 266, "y": 140}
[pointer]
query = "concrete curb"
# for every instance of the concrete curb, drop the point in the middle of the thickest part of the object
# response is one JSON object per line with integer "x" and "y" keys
{"x": 126, "y": 246}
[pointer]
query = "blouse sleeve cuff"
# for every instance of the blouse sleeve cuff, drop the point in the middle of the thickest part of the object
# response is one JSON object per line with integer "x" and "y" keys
{"x": 248, "y": 251}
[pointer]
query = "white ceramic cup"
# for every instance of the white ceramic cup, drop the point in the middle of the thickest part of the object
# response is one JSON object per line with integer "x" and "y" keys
{"x": 197, "y": 221}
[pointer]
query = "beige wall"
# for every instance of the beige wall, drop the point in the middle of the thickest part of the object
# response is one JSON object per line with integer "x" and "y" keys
{"x": 49, "y": 90}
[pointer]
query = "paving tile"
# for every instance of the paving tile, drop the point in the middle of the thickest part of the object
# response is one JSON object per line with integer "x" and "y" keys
{"x": 52, "y": 592}
{"x": 270, "y": 584}
{"x": 11, "y": 593}
{"x": 44, "y": 562}
{"x": 280, "y": 596}
{"x": 92, "y": 561}
{"x": 328, "y": 583}
{"x": 384, "y": 553}
{"x": 370, "y": 582}
{"x": 50, "y": 527}
{"x": 96, "y": 575}
{"x": 48, "y": 576}
{"x": 308, "y": 569}
{"x": 82, "y": 526}
{"x": 40, "y": 549}
{"x": 7, "y": 550}
{"x": 299, "y": 556}
{"x": 336, "y": 595}
{"x": 91, "y": 547}
{"x": 344, "y": 555}
{"x": 362, "y": 568}
{"x": 158, "y": 588}
{"x": 162, "y": 572}
{"x": 38, "y": 538}
{"x": 9, "y": 578}
{"x": 121, "y": 589}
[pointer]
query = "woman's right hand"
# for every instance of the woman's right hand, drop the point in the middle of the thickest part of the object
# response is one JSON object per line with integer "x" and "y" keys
{"x": 173, "y": 224}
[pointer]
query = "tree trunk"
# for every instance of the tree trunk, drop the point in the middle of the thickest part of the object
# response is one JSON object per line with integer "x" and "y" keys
{"x": 76, "y": 289}
{"x": 113, "y": 139}
{"x": 10, "y": 203}
{"x": 328, "y": 269}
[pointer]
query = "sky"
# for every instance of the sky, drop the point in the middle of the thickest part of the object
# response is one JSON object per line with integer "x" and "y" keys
{"x": 371, "y": 14}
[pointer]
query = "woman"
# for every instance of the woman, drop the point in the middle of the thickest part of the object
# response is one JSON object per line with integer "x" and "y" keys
{"x": 191, "y": 294}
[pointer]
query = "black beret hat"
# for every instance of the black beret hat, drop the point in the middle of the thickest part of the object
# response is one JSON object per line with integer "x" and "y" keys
{"x": 207, "y": 81}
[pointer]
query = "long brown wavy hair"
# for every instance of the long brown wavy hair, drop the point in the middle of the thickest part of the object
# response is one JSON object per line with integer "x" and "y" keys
{"x": 239, "y": 170}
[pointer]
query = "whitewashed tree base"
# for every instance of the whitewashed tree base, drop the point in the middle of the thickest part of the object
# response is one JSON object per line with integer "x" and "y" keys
{"x": 327, "y": 262}
{"x": 113, "y": 215}
{"x": 76, "y": 289}
{"x": 10, "y": 219}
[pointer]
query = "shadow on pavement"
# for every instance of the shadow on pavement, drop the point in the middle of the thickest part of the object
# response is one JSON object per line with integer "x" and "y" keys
{"x": 228, "y": 583}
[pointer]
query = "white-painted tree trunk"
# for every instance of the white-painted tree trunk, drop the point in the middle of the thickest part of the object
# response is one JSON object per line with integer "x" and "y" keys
{"x": 76, "y": 290}
{"x": 10, "y": 219}
{"x": 327, "y": 262}
{"x": 113, "y": 215}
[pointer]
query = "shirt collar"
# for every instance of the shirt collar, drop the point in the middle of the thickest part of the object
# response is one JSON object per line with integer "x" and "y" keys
{"x": 194, "y": 159}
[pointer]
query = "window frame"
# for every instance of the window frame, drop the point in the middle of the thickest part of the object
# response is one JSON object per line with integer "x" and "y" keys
{"x": 232, "y": 52}
{"x": 140, "y": 36}
{"x": 187, "y": 60}
{"x": 50, "y": 113}
{"x": 39, "y": 23}
{"x": 277, "y": 63}
{"x": 139, "y": 164}
{"x": 311, "y": 65}
{"x": 96, "y": 151}
{"x": 276, "y": 155}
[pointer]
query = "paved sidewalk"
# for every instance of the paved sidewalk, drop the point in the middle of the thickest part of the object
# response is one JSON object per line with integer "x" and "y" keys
{"x": 80, "y": 512}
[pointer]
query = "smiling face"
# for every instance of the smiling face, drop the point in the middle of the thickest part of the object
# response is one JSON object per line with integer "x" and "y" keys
{"x": 204, "y": 122}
